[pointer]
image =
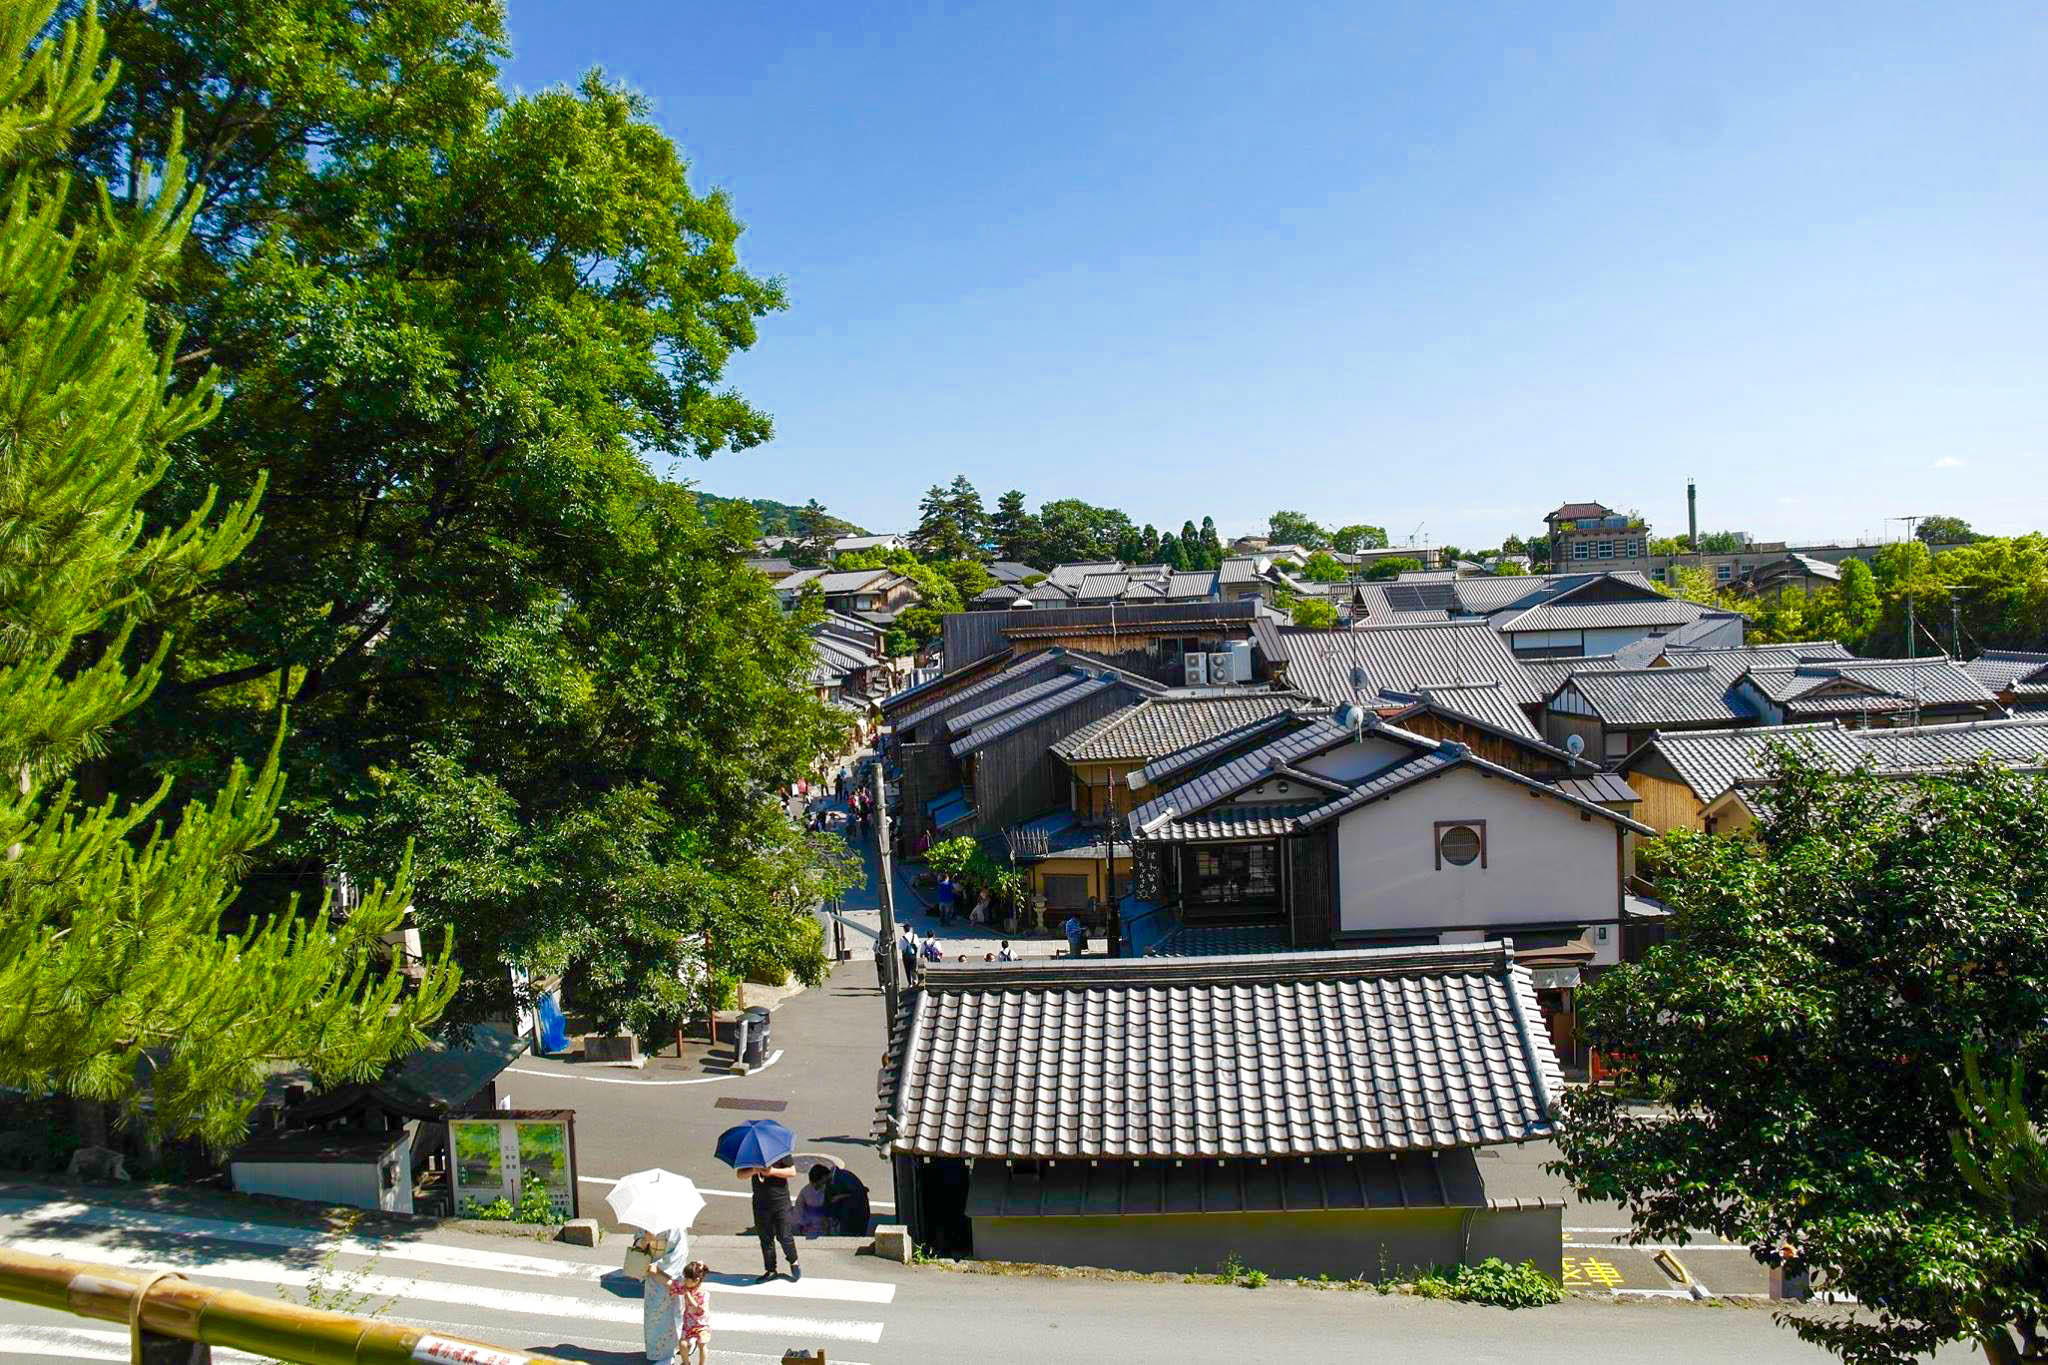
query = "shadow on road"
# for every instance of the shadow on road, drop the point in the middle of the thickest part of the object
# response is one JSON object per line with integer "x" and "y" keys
{"x": 621, "y": 1285}
{"x": 593, "y": 1357}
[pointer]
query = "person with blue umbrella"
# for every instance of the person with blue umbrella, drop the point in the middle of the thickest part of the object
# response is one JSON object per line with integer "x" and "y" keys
{"x": 763, "y": 1151}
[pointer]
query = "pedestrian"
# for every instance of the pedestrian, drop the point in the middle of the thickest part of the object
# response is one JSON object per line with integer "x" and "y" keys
{"x": 667, "y": 1253}
{"x": 906, "y": 944}
{"x": 1077, "y": 935}
{"x": 695, "y": 1298}
{"x": 979, "y": 914}
{"x": 810, "y": 1203}
{"x": 772, "y": 1216}
{"x": 932, "y": 951}
{"x": 946, "y": 895}
{"x": 1004, "y": 953}
{"x": 846, "y": 1203}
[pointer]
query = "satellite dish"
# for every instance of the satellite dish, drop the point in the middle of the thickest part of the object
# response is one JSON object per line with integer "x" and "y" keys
{"x": 1357, "y": 679}
{"x": 1351, "y": 717}
{"x": 1575, "y": 745}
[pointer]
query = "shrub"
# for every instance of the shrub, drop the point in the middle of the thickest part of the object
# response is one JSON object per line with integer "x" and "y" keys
{"x": 951, "y": 857}
{"x": 534, "y": 1205}
{"x": 1492, "y": 1281}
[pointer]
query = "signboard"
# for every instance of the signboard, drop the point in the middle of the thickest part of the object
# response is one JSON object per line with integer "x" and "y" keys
{"x": 493, "y": 1156}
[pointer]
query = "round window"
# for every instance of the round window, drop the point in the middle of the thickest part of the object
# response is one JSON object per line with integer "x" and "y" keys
{"x": 1459, "y": 844}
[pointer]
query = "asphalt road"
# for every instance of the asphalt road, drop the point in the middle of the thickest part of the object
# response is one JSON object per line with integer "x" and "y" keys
{"x": 570, "y": 1303}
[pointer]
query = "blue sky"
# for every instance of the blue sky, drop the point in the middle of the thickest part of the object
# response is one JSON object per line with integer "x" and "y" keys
{"x": 1440, "y": 266}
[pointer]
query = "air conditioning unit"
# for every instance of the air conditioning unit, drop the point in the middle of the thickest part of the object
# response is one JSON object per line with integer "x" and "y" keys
{"x": 1241, "y": 661}
{"x": 1219, "y": 669}
{"x": 1198, "y": 670}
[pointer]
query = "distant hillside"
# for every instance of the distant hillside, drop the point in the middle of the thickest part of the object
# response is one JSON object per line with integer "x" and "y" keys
{"x": 777, "y": 518}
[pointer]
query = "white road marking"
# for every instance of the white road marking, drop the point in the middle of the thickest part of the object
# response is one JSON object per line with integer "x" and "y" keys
{"x": 525, "y": 1303}
{"x": 428, "y": 1253}
{"x": 773, "y": 1058}
{"x": 716, "y": 1194}
{"x": 1649, "y": 1246}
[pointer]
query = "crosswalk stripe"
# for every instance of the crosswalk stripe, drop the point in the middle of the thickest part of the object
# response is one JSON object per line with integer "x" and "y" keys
{"x": 89, "y": 1343}
{"x": 480, "y": 1297}
{"x": 452, "y": 1257}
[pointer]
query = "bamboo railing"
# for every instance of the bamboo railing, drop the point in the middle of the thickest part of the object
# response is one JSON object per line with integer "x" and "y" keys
{"x": 160, "y": 1308}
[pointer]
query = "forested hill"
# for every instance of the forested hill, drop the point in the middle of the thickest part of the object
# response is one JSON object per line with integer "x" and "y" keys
{"x": 777, "y": 518}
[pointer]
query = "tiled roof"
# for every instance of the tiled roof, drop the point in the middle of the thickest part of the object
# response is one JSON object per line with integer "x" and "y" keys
{"x": 1009, "y": 722}
{"x": 1070, "y": 575}
{"x": 1248, "y": 821}
{"x": 1187, "y": 583}
{"x": 1434, "y": 763}
{"x": 1572, "y": 511}
{"x": 1998, "y": 669}
{"x": 1601, "y": 615}
{"x": 1228, "y": 779}
{"x": 1658, "y": 696}
{"x": 1404, "y": 659}
{"x": 1045, "y": 659}
{"x": 1299, "y": 1054}
{"x": 1240, "y": 571}
{"x": 1712, "y": 761}
{"x": 1488, "y": 703}
{"x": 1164, "y": 725}
{"x": 1546, "y": 674}
{"x": 1708, "y": 624}
{"x": 967, "y": 720}
{"x": 2022, "y": 741}
{"x": 1180, "y": 760}
{"x": 1009, "y": 571}
{"x": 1859, "y": 702}
{"x": 1937, "y": 681}
{"x": 1221, "y": 940}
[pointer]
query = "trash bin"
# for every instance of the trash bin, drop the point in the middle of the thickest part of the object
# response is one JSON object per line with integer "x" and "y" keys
{"x": 754, "y": 1035}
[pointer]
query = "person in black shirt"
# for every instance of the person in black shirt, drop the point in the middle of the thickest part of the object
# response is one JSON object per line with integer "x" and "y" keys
{"x": 772, "y": 1216}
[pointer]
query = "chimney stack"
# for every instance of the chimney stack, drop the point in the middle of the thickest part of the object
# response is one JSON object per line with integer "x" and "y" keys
{"x": 1692, "y": 514}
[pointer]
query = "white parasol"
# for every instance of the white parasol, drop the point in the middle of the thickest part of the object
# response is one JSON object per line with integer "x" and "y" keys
{"x": 655, "y": 1201}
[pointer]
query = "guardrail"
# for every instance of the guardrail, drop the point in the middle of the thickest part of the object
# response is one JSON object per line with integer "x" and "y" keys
{"x": 172, "y": 1319}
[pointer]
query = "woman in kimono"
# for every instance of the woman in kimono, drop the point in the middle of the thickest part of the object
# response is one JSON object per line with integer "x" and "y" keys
{"x": 661, "y": 1309}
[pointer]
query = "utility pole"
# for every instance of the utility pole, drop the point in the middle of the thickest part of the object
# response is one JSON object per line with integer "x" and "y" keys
{"x": 890, "y": 956}
{"x": 1955, "y": 624}
{"x": 1912, "y": 645}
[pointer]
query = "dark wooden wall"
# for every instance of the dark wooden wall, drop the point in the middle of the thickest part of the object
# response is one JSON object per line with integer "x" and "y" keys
{"x": 1017, "y": 777}
{"x": 1311, "y": 888}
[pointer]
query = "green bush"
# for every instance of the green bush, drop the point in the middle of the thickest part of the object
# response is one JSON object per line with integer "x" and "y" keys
{"x": 534, "y": 1205}
{"x": 1492, "y": 1281}
{"x": 952, "y": 857}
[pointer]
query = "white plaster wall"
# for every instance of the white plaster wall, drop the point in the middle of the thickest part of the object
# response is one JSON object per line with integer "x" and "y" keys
{"x": 1544, "y": 864}
{"x": 1607, "y": 641}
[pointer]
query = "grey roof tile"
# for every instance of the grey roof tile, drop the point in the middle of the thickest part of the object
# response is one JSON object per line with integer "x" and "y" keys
{"x": 1999, "y": 669}
{"x": 1011, "y": 721}
{"x": 1298, "y": 1054}
{"x": 961, "y": 721}
{"x": 1163, "y": 725}
{"x": 1670, "y": 611}
{"x": 1344, "y": 666}
{"x": 1644, "y": 697}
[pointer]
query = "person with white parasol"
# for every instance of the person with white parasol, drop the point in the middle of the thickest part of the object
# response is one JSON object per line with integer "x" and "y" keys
{"x": 661, "y": 1205}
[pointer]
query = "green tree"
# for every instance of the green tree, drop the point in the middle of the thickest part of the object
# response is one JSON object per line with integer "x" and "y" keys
{"x": 1393, "y": 566}
{"x": 951, "y": 523}
{"x": 458, "y": 326}
{"x": 1212, "y": 545}
{"x": 1321, "y": 568}
{"x": 1806, "y": 1027}
{"x": 1513, "y": 545}
{"x": 128, "y": 972}
{"x": 1945, "y": 531}
{"x": 815, "y": 530}
{"x": 1172, "y": 553}
{"x": 1507, "y": 568}
{"x": 1861, "y": 610}
{"x": 1149, "y": 544}
{"x": 1076, "y": 531}
{"x": 1292, "y": 528}
{"x": 1014, "y": 530}
{"x": 1315, "y": 613}
{"x": 1351, "y": 539}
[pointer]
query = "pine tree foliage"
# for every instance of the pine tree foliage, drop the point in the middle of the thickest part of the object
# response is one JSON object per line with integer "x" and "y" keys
{"x": 117, "y": 981}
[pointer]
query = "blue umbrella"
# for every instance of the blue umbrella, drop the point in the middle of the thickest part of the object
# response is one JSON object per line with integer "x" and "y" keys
{"x": 757, "y": 1142}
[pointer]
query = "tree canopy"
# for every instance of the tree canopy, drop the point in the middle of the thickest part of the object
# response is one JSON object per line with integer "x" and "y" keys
{"x": 1940, "y": 530}
{"x": 1292, "y": 528}
{"x": 125, "y": 956}
{"x": 1809, "y": 1028}
{"x": 456, "y": 326}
